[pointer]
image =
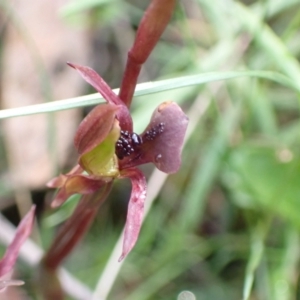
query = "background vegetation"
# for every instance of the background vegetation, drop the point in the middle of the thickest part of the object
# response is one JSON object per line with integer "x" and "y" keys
{"x": 226, "y": 226}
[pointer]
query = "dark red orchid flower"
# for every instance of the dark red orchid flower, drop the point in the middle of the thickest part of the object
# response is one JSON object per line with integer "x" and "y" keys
{"x": 9, "y": 259}
{"x": 109, "y": 149}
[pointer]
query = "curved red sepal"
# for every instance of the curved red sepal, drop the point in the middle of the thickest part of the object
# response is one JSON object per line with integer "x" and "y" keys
{"x": 59, "y": 181}
{"x": 95, "y": 80}
{"x": 77, "y": 184}
{"x": 135, "y": 209}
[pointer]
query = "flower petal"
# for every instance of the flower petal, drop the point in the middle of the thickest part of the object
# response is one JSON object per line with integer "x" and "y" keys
{"x": 135, "y": 209}
{"x": 102, "y": 161}
{"x": 95, "y": 127}
{"x": 22, "y": 233}
{"x": 162, "y": 140}
{"x": 77, "y": 184}
{"x": 95, "y": 80}
{"x": 59, "y": 181}
{"x": 164, "y": 137}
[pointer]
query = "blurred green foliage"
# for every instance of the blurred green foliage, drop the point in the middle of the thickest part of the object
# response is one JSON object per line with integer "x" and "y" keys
{"x": 227, "y": 225}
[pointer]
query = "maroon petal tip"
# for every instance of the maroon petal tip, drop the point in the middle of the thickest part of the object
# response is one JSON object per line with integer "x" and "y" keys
{"x": 70, "y": 64}
{"x": 95, "y": 80}
{"x": 56, "y": 182}
{"x": 135, "y": 211}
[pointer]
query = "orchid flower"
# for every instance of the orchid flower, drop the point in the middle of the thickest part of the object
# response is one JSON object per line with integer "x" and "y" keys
{"x": 9, "y": 259}
{"x": 109, "y": 149}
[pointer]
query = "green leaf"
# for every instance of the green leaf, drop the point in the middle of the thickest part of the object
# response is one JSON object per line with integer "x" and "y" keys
{"x": 266, "y": 178}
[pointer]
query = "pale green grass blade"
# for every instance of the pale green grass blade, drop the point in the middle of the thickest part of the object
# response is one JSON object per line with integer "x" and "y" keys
{"x": 284, "y": 285}
{"x": 165, "y": 275}
{"x": 273, "y": 7}
{"x": 256, "y": 253}
{"x": 144, "y": 89}
{"x": 263, "y": 110}
{"x": 80, "y": 6}
{"x": 270, "y": 42}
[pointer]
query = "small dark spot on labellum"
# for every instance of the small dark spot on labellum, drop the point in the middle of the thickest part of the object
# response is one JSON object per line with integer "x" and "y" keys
{"x": 151, "y": 134}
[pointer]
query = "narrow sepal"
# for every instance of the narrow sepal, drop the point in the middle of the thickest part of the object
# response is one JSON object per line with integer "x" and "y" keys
{"x": 135, "y": 209}
{"x": 95, "y": 127}
{"x": 94, "y": 79}
{"x": 60, "y": 180}
{"x": 77, "y": 184}
{"x": 22, "y": 233}
{"x": 57, "y": 182}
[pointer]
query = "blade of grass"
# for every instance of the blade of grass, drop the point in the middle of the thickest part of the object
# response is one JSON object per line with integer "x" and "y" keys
{"x": 273, "y": 7}
{"x": 270, "y": 42}
{"x": 145, "y": 89}
{"x": 162, "y": 277}
{"x": 75, "y": 7}
{"x": 286, "y": 275}
{"x": 263, "y": 109}
{"x": 256, "y": 253}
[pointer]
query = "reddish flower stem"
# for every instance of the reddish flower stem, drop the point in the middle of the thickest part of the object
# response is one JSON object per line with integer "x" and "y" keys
{"x": 152, "y": 25}
{"x": 75, "y": 228}
{"x": 130, "y": 77}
